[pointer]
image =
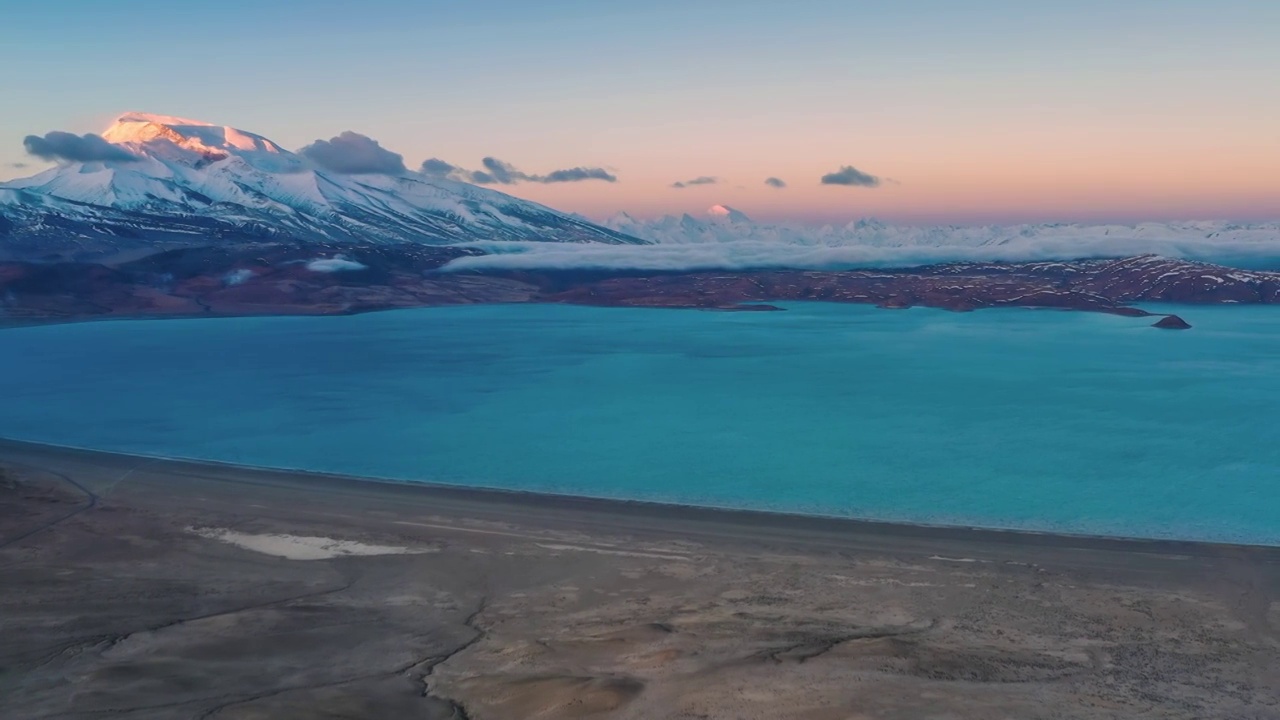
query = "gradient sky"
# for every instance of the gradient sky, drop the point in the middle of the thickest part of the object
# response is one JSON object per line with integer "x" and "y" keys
{"x": 984, "y": 111}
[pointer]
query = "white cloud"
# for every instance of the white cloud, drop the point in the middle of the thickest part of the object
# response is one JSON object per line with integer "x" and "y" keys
{"x": 691, "y": 244}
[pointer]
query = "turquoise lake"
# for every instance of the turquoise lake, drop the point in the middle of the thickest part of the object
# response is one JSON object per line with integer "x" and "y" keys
{"x": 1046, "y": 420}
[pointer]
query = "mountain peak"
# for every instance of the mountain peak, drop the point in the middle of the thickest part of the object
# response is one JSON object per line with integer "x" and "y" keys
{"x": 728, "y": 213}
{"x": 140, "y": 129}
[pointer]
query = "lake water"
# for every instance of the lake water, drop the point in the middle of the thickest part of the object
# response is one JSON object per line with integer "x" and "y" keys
{"x": 1003, "y": 418}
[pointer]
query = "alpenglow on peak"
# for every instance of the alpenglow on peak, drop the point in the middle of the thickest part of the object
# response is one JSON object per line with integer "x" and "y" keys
{"x": 136, "y": 128}
{"x": 180, "y": 181}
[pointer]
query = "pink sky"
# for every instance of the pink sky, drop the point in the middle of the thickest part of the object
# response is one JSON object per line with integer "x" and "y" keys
{"x": 990, "y": 111}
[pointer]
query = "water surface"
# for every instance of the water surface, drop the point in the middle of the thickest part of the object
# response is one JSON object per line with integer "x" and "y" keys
{"x": 1004, "y": 418}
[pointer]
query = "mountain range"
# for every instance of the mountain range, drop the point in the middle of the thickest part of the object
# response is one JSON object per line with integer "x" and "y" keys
{"x": 173, "y": 182}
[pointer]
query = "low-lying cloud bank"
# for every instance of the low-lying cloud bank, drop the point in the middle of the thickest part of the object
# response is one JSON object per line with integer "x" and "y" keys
{"x": 497, "y": 172}
{"x": 712, "y": 245}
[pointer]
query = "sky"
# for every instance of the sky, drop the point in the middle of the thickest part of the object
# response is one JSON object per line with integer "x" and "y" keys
{"x": 988, "y": 111}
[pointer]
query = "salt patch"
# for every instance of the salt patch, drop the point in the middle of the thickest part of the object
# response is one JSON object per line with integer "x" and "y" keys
{"x": 303, "y": 547}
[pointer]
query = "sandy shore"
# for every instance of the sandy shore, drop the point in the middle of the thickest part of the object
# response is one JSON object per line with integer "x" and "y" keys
{"x": 140, "y": 588}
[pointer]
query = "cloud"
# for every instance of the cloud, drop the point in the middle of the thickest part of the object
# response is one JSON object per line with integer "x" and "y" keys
{"x": 889, "y": 246}
{"x": 774, "y": 182}
{"x": 703, "y": 180}
{"x": 438, "y": 167}
{"x": 335, "y": 264}
{"x": 498, "y": 172}
{"x": 353, "y": 154}
{"x": 731, "y": 255}
{"x": 501, "y": 172}
{"x": 58, "y": 145}
{"x": 578, "y": 174}
{"x": 850, "y": 175}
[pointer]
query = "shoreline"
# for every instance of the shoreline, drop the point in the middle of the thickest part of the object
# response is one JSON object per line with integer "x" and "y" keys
{"x": 279, "y": 283}
{"x": 558, "y": 507}
{"x": 1161, "y": 310}
{"x": 147, "y": 588}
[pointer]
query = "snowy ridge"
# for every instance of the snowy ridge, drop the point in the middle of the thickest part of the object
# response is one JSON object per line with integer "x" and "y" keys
{"x": 191, "y": 181}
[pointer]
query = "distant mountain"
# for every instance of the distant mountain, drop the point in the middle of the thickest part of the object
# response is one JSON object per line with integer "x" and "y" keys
{"x": 871, "y": 241}
{"x": 180, "y": 182}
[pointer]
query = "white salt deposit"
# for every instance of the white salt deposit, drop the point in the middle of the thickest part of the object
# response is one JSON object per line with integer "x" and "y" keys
{"x": 303, "y": 547}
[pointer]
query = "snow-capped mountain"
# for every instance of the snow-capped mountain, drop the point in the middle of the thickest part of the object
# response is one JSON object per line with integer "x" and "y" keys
{"x": 179, "y": 181}
{"x": 728, "y": 238}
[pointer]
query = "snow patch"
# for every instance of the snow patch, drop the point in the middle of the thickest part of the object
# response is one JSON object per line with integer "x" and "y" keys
{"x": 141, "y": 117}
{"x": 335, "y": 264}
{"x": 237, "y": 277}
